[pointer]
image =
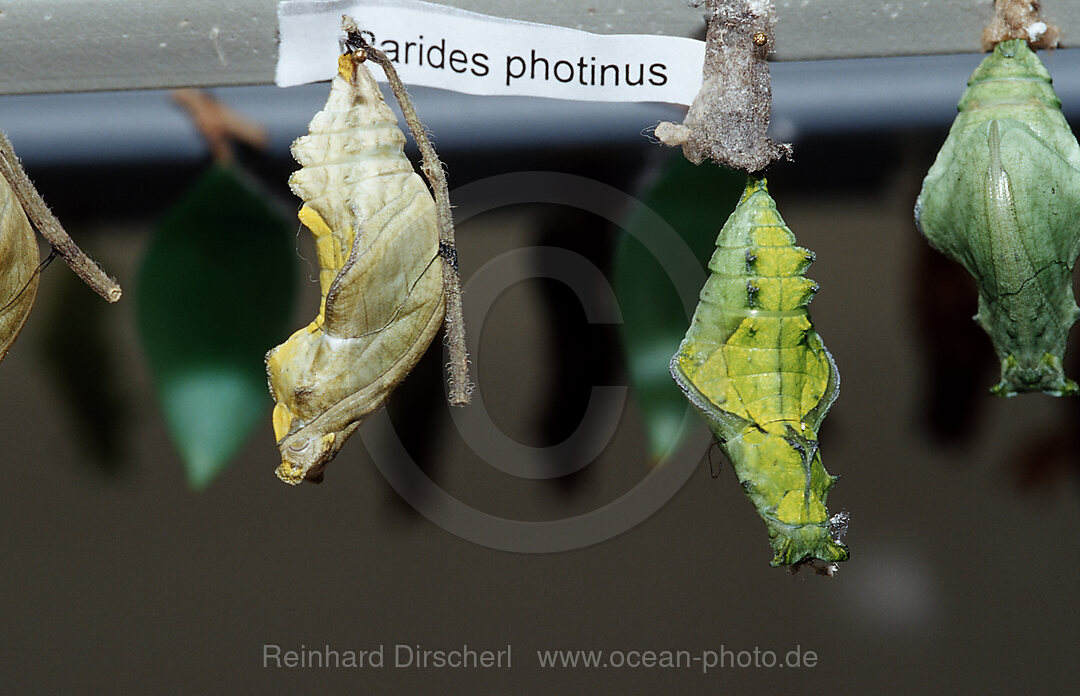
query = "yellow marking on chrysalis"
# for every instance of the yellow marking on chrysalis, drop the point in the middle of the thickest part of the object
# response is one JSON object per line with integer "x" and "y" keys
{"x": 346, "y": 66}
{"x": 775, "y": 457}
{"x": 283, "y": 420}
{"x": 785, "y": 262}
{"x": 712, "y": 379}
{"x": 331, "y": 252}
{"x": 313, "y": 221}
{"x": 770, "y": 234}
{"x": 794, "y": 510}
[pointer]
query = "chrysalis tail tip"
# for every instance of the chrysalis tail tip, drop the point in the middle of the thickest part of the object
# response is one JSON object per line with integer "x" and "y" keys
{"x": 810, "y": 543}
{"x": 290, "y": 474}
{"x": 1047, "y": 376}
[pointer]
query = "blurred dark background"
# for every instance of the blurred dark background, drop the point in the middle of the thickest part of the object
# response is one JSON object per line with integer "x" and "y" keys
{"x": 964, "y": 530}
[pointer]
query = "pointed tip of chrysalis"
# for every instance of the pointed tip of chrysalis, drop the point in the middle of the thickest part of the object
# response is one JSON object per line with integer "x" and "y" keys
{"x": 1011, "y": 58}
{"x": 755, "y": 184}
{"x": 758, "y": 207}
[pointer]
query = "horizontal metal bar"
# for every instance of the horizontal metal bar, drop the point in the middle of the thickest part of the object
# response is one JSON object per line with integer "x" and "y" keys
{"x": 813, "y": 97}
{"x": 90, "y": 45}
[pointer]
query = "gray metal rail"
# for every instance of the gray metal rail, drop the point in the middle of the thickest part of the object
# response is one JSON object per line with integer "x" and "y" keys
{"x": 91, "y": 45}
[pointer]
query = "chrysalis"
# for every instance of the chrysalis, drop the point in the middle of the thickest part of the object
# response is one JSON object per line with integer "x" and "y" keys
{"x": 18, "y": 267}
{"x": 753, "y": 365}
{"x": 380, "y": 274}
{"x": 1003, "y": 199}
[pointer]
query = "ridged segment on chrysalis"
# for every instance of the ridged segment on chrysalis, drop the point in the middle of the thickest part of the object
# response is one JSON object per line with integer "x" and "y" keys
{"x": 1003, "y": 199}
{"x": 376, "y": 236}
{"x": 757, "y": 371}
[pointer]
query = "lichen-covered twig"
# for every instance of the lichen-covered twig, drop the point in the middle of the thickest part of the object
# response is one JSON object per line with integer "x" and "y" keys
{"x": 46, "y": 223}
{"x": 729, "y": 119}
{"x": 1019, "y": 19}
{"x": 460, "y": 385}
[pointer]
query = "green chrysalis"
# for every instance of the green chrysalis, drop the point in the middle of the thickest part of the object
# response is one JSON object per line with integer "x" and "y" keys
{"x": 1003, "y": 199}
{"x": 753, "y": 365}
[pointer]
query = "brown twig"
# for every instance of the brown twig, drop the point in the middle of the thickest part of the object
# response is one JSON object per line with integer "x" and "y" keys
{"x": 49, "y": 227}
{"x": 460, "y": 385}
{"x": 219, "y": 124}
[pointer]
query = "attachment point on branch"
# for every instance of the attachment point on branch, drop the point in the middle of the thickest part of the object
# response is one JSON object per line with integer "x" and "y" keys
{"x": 729, "y": 119}
{"x": 1019, "y": 19}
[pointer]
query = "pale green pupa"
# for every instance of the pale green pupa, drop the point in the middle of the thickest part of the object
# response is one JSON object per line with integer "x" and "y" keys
{"x": 1003, "y": 199}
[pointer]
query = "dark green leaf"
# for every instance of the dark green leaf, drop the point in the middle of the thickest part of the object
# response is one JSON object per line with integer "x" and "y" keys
{"x": 695, "y": 201}
{"x": 215, "y": 291}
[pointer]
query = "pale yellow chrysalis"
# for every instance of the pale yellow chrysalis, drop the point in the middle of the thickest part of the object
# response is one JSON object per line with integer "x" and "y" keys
{"x": 380, "y": 274}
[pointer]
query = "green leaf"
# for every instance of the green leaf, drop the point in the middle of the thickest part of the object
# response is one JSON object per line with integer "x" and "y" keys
{"x": 215, "y": 290}
{"x": 694, "y": 200}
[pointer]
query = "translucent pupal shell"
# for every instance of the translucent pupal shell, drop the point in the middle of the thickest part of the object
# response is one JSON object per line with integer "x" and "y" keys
{"x": 1003, "y": 199}
{"x": 380, "y": 275}
{"x": 758, "y": 372}
{"x": 18, "y": 267}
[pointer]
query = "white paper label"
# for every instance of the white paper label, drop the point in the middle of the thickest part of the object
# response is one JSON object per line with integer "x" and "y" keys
{"x": 439, "y": 46}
